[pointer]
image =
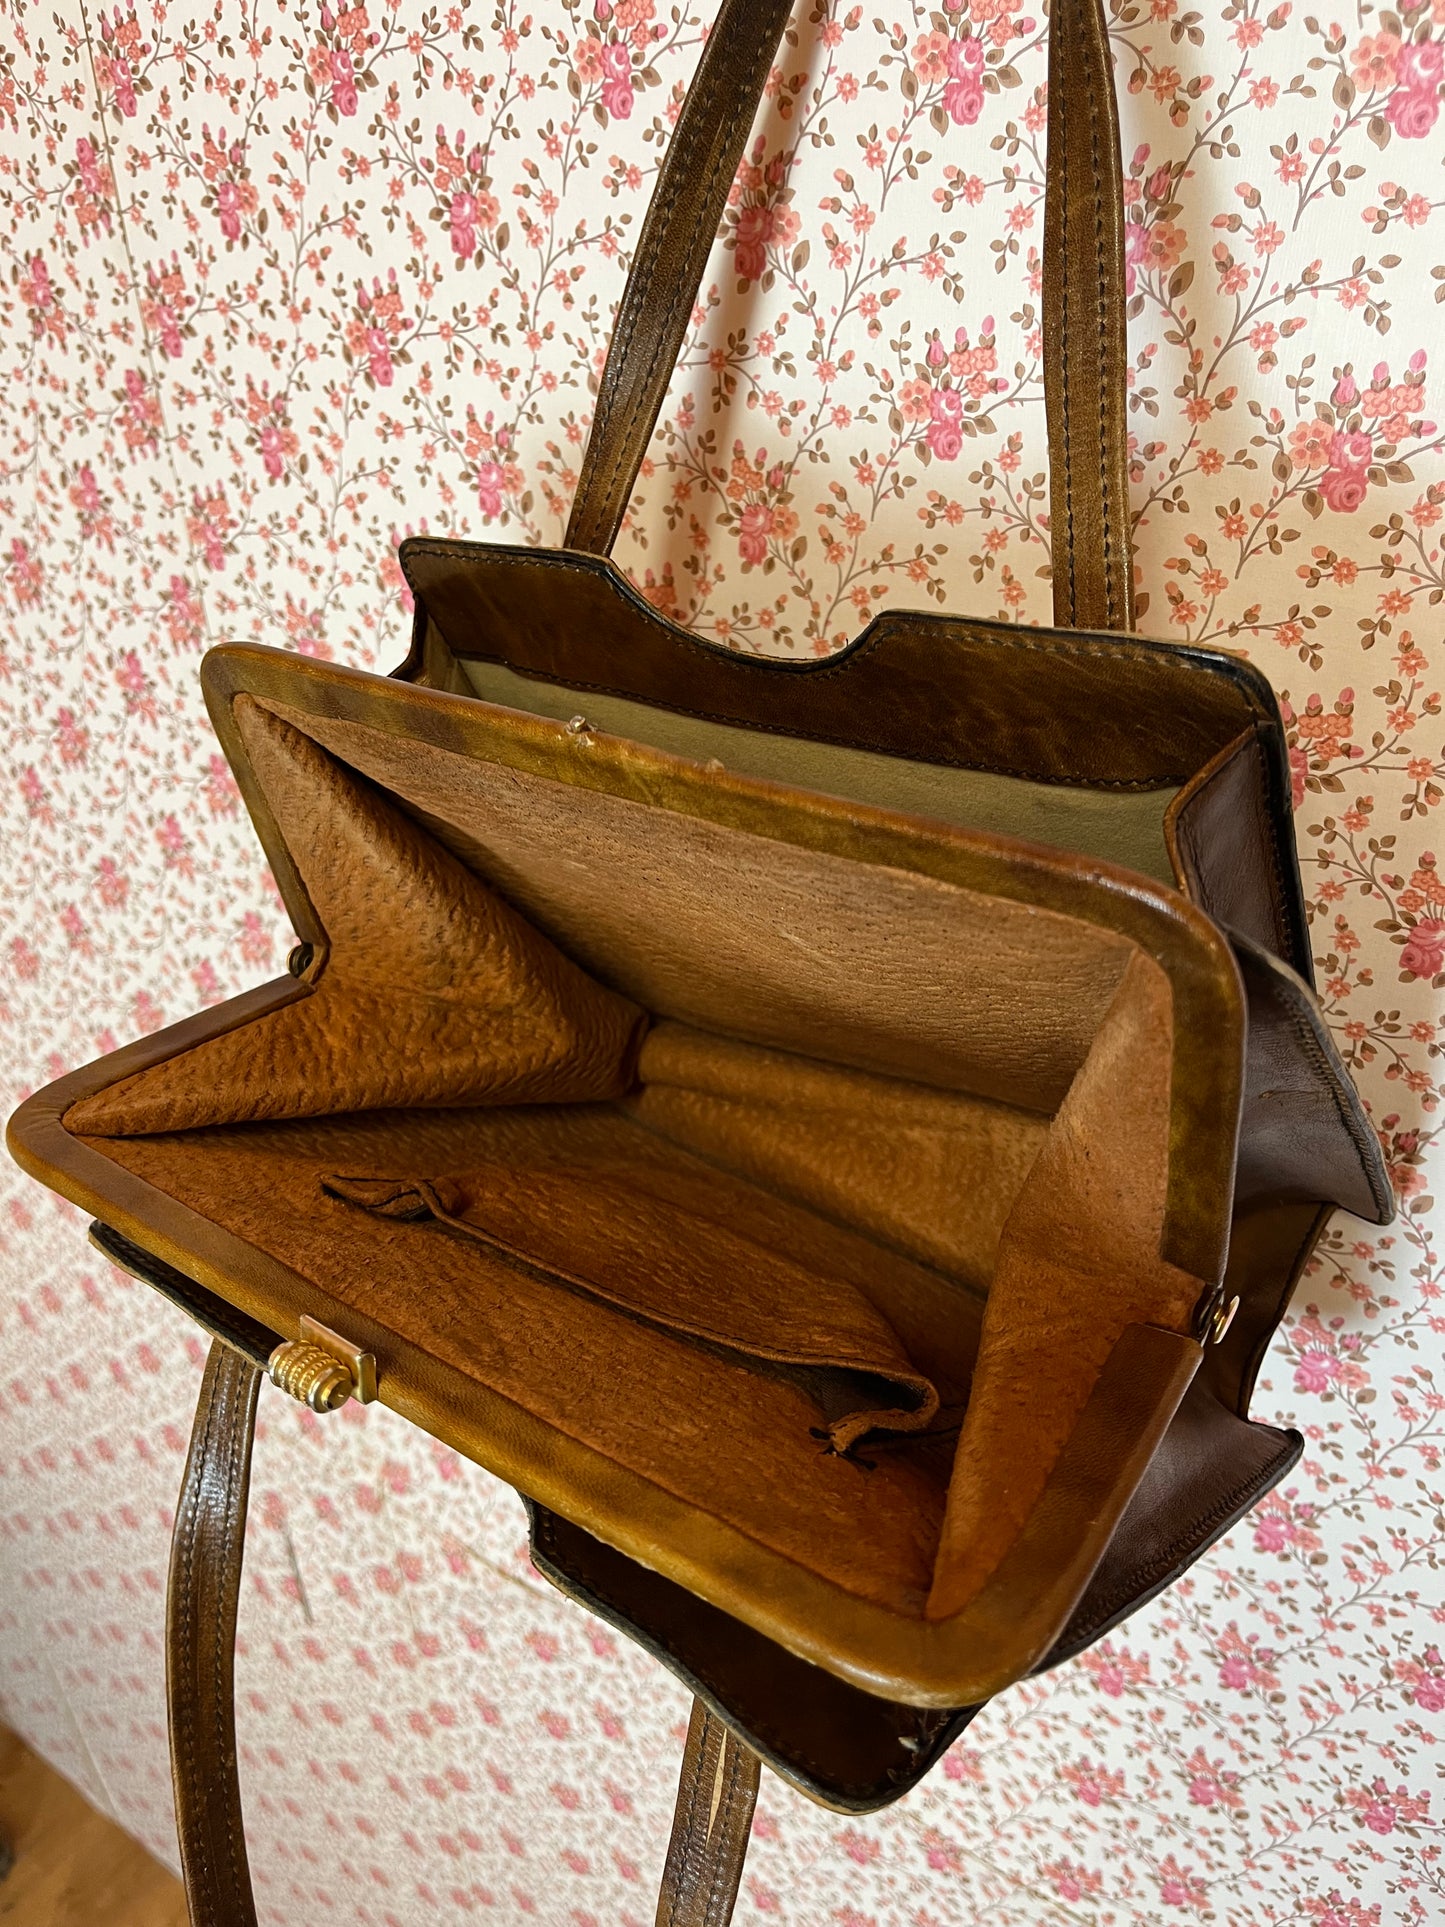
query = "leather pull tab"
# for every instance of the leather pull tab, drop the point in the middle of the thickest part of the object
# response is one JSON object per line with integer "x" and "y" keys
{"x": 716, "y": 1795}
{"x": 201, "y": 1605}
{"x": 1085, "y": 334}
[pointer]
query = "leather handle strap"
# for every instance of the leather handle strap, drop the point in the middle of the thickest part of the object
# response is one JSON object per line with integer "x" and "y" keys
{"x": 201, "y": 1605}
{"x": 1085, "y": 328}
{"x": 678, "y": 231}
{"x": 1085, "y": 346}
{"x": 716, "y": 1794}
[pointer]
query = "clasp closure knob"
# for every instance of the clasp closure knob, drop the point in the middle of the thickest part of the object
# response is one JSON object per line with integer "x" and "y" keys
{"x": 322, "y": 1369}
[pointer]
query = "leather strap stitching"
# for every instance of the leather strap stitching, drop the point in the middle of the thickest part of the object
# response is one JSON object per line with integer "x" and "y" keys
{"x": 1102, "y": 323}
{"x": 678, "y": 1879}
{"x": 600, "y": 504}
{"x": 607, "y": 486}
{"x": 238, "y": 1440}
{"x": 1059, "y": 132}
{"x": 181, "y": 1706}
{"x": 718, "y": 1902}
{"x": 705, "y": 1858}
{"x": 212, "y": 1504}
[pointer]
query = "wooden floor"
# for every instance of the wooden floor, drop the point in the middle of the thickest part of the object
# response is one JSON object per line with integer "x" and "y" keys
{"x": 71, "y": 1867}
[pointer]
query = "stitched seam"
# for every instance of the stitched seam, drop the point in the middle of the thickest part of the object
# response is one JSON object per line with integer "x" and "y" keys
{"x": 191, "y": 1499}
{"x": 680, "y": 167}
{"x": 629, "y": 315}
{"x": 724, "y": 1837}
{"x": 230, "y": 1335}
{"x": 1143, "y": 1577}
{"x": 1067, "y": 779}
{"x": 1189, "y": 846}
{"x": 685, "y": 1876}
{"x": 607, "y": 486}
{"x": 1276, "y": 858}
{"x": 1365, "y": 1148}
{"x": 1272, "y": 847}
{"x": 1088, "y": 651}
{"x": 1168, "y": 659}
{"x": 1058, "y": 94}
{"x": 225, "y": 1702}
{"x": 159, "y": 1276}
{"x": 724, "y": 136}
{"x": 690, "y": 1852}
{"x": 1101, "y": 315}
{"x": 714, "y": 1855}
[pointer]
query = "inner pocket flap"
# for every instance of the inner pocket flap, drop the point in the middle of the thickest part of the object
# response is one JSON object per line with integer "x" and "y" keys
{"x": 687, "y": 1249}
{"x": 435, "y": 991}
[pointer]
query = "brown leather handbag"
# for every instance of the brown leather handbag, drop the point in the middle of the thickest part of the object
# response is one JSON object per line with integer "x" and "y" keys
{"x": 837, "y": 1136}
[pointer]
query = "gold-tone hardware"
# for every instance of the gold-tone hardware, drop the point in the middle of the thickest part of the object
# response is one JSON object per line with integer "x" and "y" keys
{"x": 1214, "y": 1316}
{"x": 1220, "y": 1320}
{"x": 361, "y": 1365}
{"x": 310, "y": 1375}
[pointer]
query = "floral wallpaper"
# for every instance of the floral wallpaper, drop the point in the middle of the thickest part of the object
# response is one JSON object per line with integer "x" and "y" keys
{"x": 281, "y": 283}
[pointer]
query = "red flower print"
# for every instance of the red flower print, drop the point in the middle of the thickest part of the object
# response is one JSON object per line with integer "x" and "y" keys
{"x": 761, "y": 226}
{"x": 344, "y": 97}
{"x": 1344, "y": 489}
{"x": 24, "y": 575}
{"x": 617, "y": 80}
{"x": 587, "y": 58}
{"x": 944, "y": 436}
{"x": 1424, "y": 1680}
{"x": 963, "y": 96}
{"x": 46, "y": 316}
{"x": 1424, "y": 951}
{"x": 755, "y": 525}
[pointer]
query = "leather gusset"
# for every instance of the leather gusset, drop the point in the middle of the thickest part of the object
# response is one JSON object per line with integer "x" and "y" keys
{"x": 717, "y": 1259}
{"x": 435, "y": 991}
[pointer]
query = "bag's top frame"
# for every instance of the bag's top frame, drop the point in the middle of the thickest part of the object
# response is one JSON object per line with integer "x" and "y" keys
{"x": 1012, "y": 1623}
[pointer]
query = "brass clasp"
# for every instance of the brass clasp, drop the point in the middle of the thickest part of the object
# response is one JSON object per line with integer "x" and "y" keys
{"x": 322, "y": 1369}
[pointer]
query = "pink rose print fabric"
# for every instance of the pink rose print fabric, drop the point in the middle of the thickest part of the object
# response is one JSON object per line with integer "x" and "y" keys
{"x": 284, "y": 284}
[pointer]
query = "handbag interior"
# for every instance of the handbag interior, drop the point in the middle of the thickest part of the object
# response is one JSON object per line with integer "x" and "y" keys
{"x": 813, "y": 1191}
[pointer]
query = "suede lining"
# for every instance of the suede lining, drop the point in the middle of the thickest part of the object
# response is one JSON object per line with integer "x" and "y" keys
{"x": 1125, "y": 826}
{"x": 702, "y": 1147}
{"x": 740, "y": 936}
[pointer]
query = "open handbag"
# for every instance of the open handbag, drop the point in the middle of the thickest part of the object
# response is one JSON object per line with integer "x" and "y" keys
{"x": 836, "y": 1136}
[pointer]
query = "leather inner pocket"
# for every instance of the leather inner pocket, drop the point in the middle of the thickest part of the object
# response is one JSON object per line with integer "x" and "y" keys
{"x": 816, "y": 1192}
